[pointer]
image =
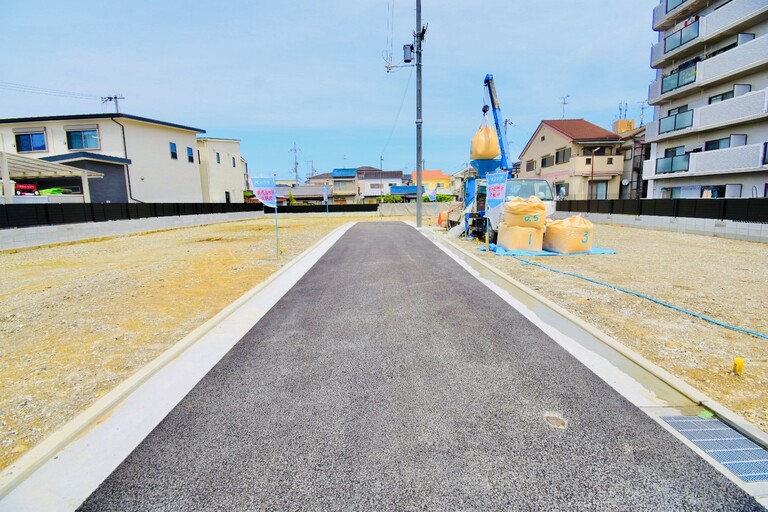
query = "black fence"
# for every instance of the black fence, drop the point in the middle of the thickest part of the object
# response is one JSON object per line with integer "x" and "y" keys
{"x": 48, "y": 214}
{"x": 28, "y": 215}
{"x": 744, "y": 210}
{"x": 319, "y": 208}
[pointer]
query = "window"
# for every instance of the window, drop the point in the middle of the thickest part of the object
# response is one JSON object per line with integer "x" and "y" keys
{"x": 547, "y": 161}
{"x": 83, "y": 138}
{"x": 713, "y": 145}
{"x": 561, "y": 189}
{"x": 530, "y": 165}
{"x": 233, "y": 162}
{"x": 562, "y": 156}
{"x": 218, "y": 158}
{"x": 609, "y": 161}
{"x": 375, "y": 185}
{"x": 190, "y": 155}
{"x": 676, "y": 151}
{"x": 721, "y": 97}
{"x": 627, "y": 155}
{"x": 588, "y": 161}
{"x": 31, "y": 141}
{"x": 677, "y": 110}
{"x": 543, "y": 138}
{"x": 440, "y": 185}
{"x": 174, "y": 154}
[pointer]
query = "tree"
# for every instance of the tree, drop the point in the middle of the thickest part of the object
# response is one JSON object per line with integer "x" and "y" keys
{"x": 291, "y": 199}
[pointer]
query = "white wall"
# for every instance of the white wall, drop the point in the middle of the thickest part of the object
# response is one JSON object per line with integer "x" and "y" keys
{"x": 219, "y": 178}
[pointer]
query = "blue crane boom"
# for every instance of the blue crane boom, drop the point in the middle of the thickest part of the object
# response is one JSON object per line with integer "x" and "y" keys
{"x": 497, "y": 121}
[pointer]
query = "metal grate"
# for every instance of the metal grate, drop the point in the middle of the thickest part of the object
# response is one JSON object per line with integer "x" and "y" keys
{"x": 741, "y": 456}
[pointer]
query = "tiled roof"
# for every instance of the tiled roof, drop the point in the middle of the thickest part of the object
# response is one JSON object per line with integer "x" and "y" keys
{"x": 377, "y": 174}
{"x": 431, "y": 175}
{"x": 580, "y": 130}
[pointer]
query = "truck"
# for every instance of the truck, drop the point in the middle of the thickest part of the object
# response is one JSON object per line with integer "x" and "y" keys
{"x": 478, "y": 221}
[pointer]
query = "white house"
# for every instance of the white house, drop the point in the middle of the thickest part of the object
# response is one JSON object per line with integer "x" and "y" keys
{"x": 221, "y": 170}
{"x": 142, "y": 160}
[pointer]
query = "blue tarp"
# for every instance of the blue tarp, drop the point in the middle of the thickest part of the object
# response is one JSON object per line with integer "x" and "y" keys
{"x": 404, "y": 190}
{"x": 503, "y": 252}
{"x": 344, "y": 173}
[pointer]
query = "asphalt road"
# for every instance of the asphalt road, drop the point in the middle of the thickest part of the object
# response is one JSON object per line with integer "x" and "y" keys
{"x": 389, "y": 378}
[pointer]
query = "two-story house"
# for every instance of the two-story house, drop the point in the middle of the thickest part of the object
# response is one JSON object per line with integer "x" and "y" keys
{"x": 141, "y": 159}
{"x": 375, "y": 183}
{"x": 345, "y": 187}
{"x": 221, "y": 170}
{"x": 434, "y": 180}
{"x": 709, "y": 133}
{"x": 579, "y": 159}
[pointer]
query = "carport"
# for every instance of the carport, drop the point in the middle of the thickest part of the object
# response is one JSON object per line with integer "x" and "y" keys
{"x": 15, "y": 167}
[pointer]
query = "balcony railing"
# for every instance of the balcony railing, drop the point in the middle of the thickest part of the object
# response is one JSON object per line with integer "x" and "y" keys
{"x": 676, "y": 80}
{"x": 727, "y": 160}
{"x": 672, "y": 164}
{"x": 674, "y": 4}
{"x": 676, "y": 122}
{"x": 682, "y": 36}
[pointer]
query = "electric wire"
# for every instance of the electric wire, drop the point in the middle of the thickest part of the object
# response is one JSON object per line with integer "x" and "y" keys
{"x": 643, "y": 296}
{"x": 30, "y": 89}
{"x": 399, "y": 110}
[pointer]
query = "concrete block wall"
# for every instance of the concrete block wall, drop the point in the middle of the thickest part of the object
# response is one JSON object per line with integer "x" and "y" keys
{"x": 18, "y": 238}
{"x": 748, "y": 231}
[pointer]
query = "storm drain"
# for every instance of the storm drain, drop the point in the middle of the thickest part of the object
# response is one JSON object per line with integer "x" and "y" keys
{"x": 741, "y": 456}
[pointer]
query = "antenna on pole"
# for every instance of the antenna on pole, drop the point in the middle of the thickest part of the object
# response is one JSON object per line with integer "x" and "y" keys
{"x": 114, "y": 98}
{"x": 643, "y": 106}
{"x": 564, "y": 101}
{"x": 295, "y": 152}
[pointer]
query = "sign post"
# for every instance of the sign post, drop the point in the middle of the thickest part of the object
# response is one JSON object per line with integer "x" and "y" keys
{"x": 264, "y": 190}
{"x": 496, "y": 192}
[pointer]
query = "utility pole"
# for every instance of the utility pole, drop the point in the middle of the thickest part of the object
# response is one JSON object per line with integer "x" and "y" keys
{"x": 381, "y": 177}
{"x": 295, "y": 152}
{"x": 419, "y": 39}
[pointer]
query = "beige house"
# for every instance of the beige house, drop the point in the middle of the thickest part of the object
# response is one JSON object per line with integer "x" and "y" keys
{"x": 579, "y": 159}
{"x": 221, "y": 170}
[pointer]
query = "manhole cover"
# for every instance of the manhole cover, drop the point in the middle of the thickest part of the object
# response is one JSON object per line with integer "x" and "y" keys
{"x": 556, "y": 421}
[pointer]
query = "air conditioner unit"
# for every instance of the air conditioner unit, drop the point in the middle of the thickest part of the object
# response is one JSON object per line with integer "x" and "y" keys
{"x": 537, "y": 171}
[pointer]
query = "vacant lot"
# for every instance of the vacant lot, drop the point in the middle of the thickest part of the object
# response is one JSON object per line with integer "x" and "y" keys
{"x": 77, "y": 319}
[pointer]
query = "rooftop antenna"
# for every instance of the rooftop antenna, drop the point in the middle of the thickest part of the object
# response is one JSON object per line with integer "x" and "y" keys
{"x": 114, "y": 98}
{"x": 564, "y": 101}
{"x": 295, "y": 152}
{"x": 643, "y": 106}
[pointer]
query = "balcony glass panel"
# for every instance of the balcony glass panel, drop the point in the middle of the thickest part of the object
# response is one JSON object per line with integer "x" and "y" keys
{"x": 669, "y": 83}
{"x": 672, "y": 164}
{"x": 684, "y": 120}
{"x": 690, "y": 32}
{"x": 673, "y": 41}
{"x": 673, "y": 4}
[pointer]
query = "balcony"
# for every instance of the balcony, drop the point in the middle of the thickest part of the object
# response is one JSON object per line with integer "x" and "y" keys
{"x": 743, "y": 60}
{"x": 668, "y": 13}
{"x": 722, "y": 161}
{"x": 726, "y": 21}
{"x": 741, "y": 109}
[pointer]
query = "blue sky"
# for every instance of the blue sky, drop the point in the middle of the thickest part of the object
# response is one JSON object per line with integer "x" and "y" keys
{"x": 274, "y": 73}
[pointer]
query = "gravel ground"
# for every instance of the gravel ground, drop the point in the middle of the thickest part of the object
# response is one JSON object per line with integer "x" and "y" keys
{"x": 77, "y": 319}
{"x": 719, "y": 278}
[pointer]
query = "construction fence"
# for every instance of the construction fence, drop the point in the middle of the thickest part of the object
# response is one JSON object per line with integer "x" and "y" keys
{"x": 739, "y": 210}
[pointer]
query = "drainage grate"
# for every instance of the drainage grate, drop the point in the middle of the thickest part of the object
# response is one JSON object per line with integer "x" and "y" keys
{"x": 741, "y": 456}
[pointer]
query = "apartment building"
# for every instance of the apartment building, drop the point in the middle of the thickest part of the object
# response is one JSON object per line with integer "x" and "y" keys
{"x": 710, "y": 98}
{"x": 579, "y": 159}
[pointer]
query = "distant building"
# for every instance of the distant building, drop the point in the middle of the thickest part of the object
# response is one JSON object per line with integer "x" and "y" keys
{"x": 141, "y": 159}
{"x": 710, "y": 124}
{"x": 635, "y": 152}
{"x": 579, "y": 159}
{"x": 221, "y": 170}
{"x": 345, "y": 187}
{"x": 432, "y": 180}
{"x": 374, "y": 183}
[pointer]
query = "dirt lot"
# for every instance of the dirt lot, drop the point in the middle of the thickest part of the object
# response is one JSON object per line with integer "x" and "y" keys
{"x": 77, "y": 319}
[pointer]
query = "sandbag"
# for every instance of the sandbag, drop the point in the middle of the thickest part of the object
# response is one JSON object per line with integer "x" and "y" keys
{"x": 516, "y": 238}
{"x": 485, "y": 143}
{"x": 568, "y": 236}
{"x": 525, "y": 213}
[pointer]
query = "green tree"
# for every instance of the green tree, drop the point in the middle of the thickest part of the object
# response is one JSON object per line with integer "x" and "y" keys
{"x": 291, "y": 199}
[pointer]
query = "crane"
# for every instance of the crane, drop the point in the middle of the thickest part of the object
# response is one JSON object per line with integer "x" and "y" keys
{"x": 497, "y": 120}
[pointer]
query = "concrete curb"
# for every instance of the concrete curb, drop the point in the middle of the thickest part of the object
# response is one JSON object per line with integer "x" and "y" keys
{"x": 726, "y": 415}
{"x": 22, "y": 468}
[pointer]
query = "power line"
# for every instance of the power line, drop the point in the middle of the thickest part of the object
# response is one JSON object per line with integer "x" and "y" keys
{"x": 31, "y": 89}
{"x": 399, "y": 110}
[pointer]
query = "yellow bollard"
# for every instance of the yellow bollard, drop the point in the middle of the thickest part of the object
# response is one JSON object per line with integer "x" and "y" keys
{"x": 738, "y": 365}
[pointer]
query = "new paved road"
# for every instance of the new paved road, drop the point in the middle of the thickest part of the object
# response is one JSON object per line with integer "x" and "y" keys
{"x": 389, "y": 378}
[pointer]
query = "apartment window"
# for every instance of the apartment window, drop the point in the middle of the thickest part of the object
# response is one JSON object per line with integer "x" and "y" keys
{"x": 30, "y": 141}
{"x": 714, "y": 145}
{"x": 375, "y": 185}
{"x": 543, "y": 138}
{"x": 562, "y": 156}
{"x": 676, "y": 151}
{"x": 561, "y": 189}
{"x": 627, "y": 155}
{"x": 547, "y": 161}
{"x": 588, "y": 161}
{"x": 721, "y": 97}
{"x": 530, "y": 165}
{"x": 218, "y": 158}
{"x": 174, "y": 154}
{"x": 190, "y": 156}
{"x": 82, "y": 138}
{"x": 765, "y": 156}
{"x": 673, "y": 4}
{"x": 233, "y": 162}
{"x": 609, "y": 161}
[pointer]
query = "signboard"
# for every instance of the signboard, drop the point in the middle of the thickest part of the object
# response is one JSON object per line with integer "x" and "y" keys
{"x": 264, "y": 190}
{"x": 432, "y": 194}
{"x": 497, "y": 189}
{"x": 325, "y": 195}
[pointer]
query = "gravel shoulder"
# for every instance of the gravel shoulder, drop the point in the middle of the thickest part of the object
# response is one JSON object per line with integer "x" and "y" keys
{"x": 78, "y": 319}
